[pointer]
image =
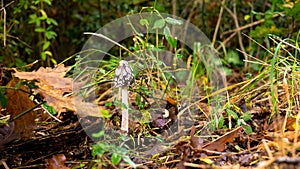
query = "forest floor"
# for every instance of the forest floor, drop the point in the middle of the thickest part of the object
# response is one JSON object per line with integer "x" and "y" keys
{"x": 245, "y": 138}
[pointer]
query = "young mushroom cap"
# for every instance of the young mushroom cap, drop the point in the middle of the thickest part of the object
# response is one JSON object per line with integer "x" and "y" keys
{"x": 124, "y": 76}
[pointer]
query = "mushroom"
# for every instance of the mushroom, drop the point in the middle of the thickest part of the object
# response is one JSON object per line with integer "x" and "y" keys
{"x": 124, "y": 77}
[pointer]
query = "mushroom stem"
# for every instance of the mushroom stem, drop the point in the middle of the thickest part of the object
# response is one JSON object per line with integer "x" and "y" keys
{"x": 124, "y": 123}
{"x": 124, "y": 77}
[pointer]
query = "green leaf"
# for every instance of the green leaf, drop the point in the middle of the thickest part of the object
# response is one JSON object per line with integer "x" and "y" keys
{"x": 108, "y": 104}
{"x": 246, "y": 17}
{"x": 172, "y": 42}
{"x": 233, "y": 58}
{"x": 48, "y": 2}
{"x": 105, "y": 113}
{"x": 43, "y": 56}
{"x": 178, "y": 55}
{"x": 99, "y": 134}
{"x": 100, "y": 148}
{"x": 159, "y": 24}
{"x": 46, "y": 45}
{"x": 246, "y": 116}
{"x": 39, "y": 30}
{"x": 221, "y": 122}
{"x": 19, "y": 84}
{"x": 232, "y": 113}
{"x": 248, "y": 129}
{"x": 144, "y": 22}
{"x": 53, "y": 61}
{"x": 167, "y": 31}
{"x": 50, "y": 34}
{"x": 227, "y": 70}
{"x": 34, "y": 19}
{"x": 239, "y": 122}
{"x": 51, "y": 21}
{"x": 3, "y": 100}
{"x": 173, "y": 21}
{"x": 44, "y": 14}
{"x": 139, "y": 102}
{"x": 129, "y": 161}
{"x": 50, "y": 109}
{"x": 115, "y": 158}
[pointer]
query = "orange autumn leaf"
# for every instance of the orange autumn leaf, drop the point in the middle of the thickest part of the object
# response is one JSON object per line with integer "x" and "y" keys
{"x": 18, "y": 102}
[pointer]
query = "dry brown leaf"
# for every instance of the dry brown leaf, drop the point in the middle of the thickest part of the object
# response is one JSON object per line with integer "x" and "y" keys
{"x": 291, "y": 135}
{"x": 18, "y": 102}
{"x": 49, "y": 77}
{"x": 87, "y": 109}
{"x": 60, "y": 103}
{"x": 196, "y": 141}
{"x": 219, "y": 144}
{"x": 57, "y": 162}
{"x": 7, "y": 133}
{"x": 52, "y": 85}
{"x": 56, "y": 99}
{"x": 277, "y": 124}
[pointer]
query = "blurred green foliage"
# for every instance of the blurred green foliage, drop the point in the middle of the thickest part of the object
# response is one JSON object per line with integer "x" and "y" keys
{"x": 51, "y": 31}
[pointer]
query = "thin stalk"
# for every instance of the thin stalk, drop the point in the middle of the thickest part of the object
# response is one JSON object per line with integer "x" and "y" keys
{"x": 124, "y": 123}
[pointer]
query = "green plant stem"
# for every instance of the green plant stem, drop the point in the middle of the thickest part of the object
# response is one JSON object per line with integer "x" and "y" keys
{"x": 25, "y": 112}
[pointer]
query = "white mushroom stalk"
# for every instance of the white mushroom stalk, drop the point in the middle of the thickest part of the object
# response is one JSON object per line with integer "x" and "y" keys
{"x": 124, "y": 77}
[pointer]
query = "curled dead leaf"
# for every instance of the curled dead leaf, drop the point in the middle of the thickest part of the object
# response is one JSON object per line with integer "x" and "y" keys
{"x": 219, "y": 144}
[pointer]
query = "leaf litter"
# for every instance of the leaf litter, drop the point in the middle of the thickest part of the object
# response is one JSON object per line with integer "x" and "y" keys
{"x": 273, "y": 143}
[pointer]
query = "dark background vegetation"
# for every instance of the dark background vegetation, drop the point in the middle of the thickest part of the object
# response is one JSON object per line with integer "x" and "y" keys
{"x": 57, "y": 34}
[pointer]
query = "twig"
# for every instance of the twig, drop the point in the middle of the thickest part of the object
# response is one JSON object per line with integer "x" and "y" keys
{"x": 55, "y": 118}
{"x": 26, "y": 111}
{"x": 2, "y": 8}
{"x": 191, "y": 14}
{"x": 226, "y": 40}
{"x": 4, "y": 26}
{"x": 4, "y": 22}
{"x": 4, "y": 164}
{"x": 110, "y": 40}
{"x": 234, "y": 31}
{"x": 234, "y": 16}
{"x": 218, "y": 23}
{"x": 248, "y": 25}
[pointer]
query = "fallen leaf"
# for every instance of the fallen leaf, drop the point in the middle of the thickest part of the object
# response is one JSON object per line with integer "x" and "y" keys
{"x": 196, "y": 141}
{"x": 52, "y": 86}
{"x": 18, "y": 102}
{"x": 277, "y": 124}
{"x": 291, "y": 135}
{"x": 6, "y": 133}
{"x": 219, "y": 144}
{"x": 55, "y": 98}
{"x": 84, "y": 109}
{"x": 57, "y": 162}
{"x": 50, "y": 77}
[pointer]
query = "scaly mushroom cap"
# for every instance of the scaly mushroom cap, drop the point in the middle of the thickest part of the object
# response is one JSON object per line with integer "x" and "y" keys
{"x": 123, "y": 75}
